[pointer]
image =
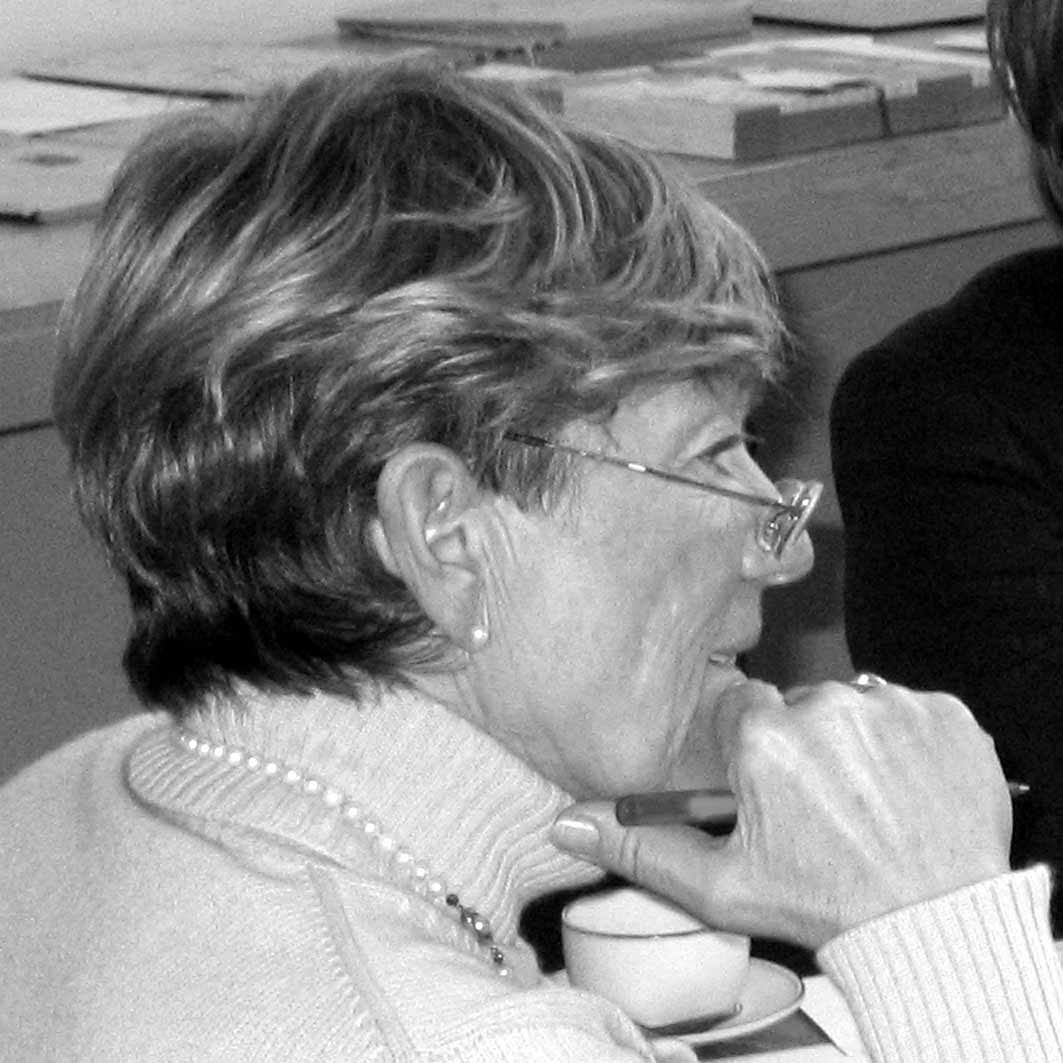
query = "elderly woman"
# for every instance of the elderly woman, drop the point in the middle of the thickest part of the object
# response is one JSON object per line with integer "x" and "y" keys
{"x": 414, "y": 423}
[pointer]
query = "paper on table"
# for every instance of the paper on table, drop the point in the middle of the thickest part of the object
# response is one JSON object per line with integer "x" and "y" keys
{"x": 864, "y": 44}
{"x": 964, "y": 40}
{"x": 794, "y": 79}
{"x": 49, "y": 179}
{"x": 818, "y": 41}
{"x": 221, "y": 71}
{"x": 826, "y": 1007}
{"x": 922, "y": 55}
{"x": 29, "y": 107}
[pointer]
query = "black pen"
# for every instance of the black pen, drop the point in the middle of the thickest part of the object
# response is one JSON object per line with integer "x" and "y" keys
{"x": 707, "y": 808}
{"x": 714, "y": 808}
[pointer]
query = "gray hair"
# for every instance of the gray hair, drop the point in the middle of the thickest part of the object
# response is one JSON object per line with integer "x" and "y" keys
{"x": 282, "y": 295}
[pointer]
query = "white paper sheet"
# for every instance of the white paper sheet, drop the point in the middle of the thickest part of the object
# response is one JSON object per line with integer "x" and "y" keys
{"x": 826, "y": 1007}
{"x": 29, "y": 107}
{"x": 964, "y": 40}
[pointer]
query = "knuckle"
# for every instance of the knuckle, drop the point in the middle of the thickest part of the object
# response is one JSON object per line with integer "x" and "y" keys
{"x": 939, "y": 701}
{"x": 752, "y": 732}
{"x": 763, "y": 741}
{"x": 835, "y": 690}
{"x": 631, "y": 855}
{"x": 948, "y": 711}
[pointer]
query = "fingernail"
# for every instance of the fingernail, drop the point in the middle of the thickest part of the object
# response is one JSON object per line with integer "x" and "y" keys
{"x": 576, "y": 835}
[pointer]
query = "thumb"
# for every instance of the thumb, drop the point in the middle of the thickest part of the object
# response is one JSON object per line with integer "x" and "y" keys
{"x": 680, "y": 863}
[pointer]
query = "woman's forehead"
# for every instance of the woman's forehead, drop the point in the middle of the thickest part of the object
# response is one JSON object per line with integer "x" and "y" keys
{"x": 687, "y": 406}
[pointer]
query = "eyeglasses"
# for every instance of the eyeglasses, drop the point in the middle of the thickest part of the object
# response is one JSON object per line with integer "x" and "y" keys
{"x": 787, "y": 516}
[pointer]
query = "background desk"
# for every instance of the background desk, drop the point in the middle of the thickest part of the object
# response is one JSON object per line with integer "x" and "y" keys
{"x": 861, "y": 237}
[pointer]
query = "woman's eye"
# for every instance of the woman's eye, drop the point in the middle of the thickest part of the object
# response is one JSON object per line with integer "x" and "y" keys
{"x": 717, "y": 453}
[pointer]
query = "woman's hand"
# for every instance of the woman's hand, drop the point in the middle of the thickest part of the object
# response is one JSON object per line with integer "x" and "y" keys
{"x": 851, "y": 804}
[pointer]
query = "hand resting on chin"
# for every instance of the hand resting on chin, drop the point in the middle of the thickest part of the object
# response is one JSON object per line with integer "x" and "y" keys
{"x": 851, "y": 804}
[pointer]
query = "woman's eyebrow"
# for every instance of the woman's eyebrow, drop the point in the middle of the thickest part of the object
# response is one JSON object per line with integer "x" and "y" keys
{"x": 725, "y": 443}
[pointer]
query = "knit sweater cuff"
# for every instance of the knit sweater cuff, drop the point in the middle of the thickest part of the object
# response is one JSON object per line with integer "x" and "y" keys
{"x": 972, "y": 976}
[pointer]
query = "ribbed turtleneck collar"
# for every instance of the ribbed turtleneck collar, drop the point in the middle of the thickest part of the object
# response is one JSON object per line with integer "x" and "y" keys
{"x": 448, "y": 793}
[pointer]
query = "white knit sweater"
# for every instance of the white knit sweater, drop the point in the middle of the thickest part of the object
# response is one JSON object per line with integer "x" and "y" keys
{"x": 162, "y": 904}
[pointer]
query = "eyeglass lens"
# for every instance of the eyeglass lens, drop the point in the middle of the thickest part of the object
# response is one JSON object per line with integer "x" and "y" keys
{"x": 798, "y": 499}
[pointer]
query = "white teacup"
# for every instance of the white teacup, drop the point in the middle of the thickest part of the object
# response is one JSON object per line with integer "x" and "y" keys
{"x": 659, "y": 964}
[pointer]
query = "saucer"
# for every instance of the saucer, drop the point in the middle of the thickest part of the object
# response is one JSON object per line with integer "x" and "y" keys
{"x": 770, "y": 994}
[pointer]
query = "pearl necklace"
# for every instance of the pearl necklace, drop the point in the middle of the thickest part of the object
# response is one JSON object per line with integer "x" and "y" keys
{"x": 412, "y": 872}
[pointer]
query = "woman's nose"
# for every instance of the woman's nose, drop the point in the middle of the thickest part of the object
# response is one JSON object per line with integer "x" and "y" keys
{"x": 764, "y": 561}
{"x": 795, "y": 563}
{"x": 764, "y": 565}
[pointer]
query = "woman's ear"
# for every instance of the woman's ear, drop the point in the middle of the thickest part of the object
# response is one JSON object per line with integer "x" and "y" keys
{"x": 427, "y": 535}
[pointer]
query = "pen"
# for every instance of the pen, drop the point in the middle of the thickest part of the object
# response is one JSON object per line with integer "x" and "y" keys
{"x": 707, "y": 808}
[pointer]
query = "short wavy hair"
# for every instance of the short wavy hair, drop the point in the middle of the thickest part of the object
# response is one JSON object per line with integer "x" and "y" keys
{"x": 284, "y": 294}
{"x": 1026, "y": 49}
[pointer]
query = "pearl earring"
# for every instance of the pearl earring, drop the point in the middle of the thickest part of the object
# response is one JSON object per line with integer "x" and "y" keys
{"x": 478, "y": 636}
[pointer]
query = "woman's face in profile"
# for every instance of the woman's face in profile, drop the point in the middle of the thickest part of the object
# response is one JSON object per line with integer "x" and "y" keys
{"x": 619, "y": 615}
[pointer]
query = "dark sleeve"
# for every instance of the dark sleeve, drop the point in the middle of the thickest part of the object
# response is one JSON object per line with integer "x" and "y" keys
{"x": 954, "y": 561}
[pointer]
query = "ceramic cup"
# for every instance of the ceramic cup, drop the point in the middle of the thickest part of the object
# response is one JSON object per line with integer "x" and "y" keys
{"x": 659, "y": 964}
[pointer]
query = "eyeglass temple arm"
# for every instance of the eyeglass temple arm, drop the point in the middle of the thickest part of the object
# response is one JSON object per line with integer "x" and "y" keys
{"x": 635, "y": 466}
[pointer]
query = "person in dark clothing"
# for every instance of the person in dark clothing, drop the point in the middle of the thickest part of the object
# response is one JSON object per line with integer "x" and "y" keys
{"x": 947, "y": 441}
